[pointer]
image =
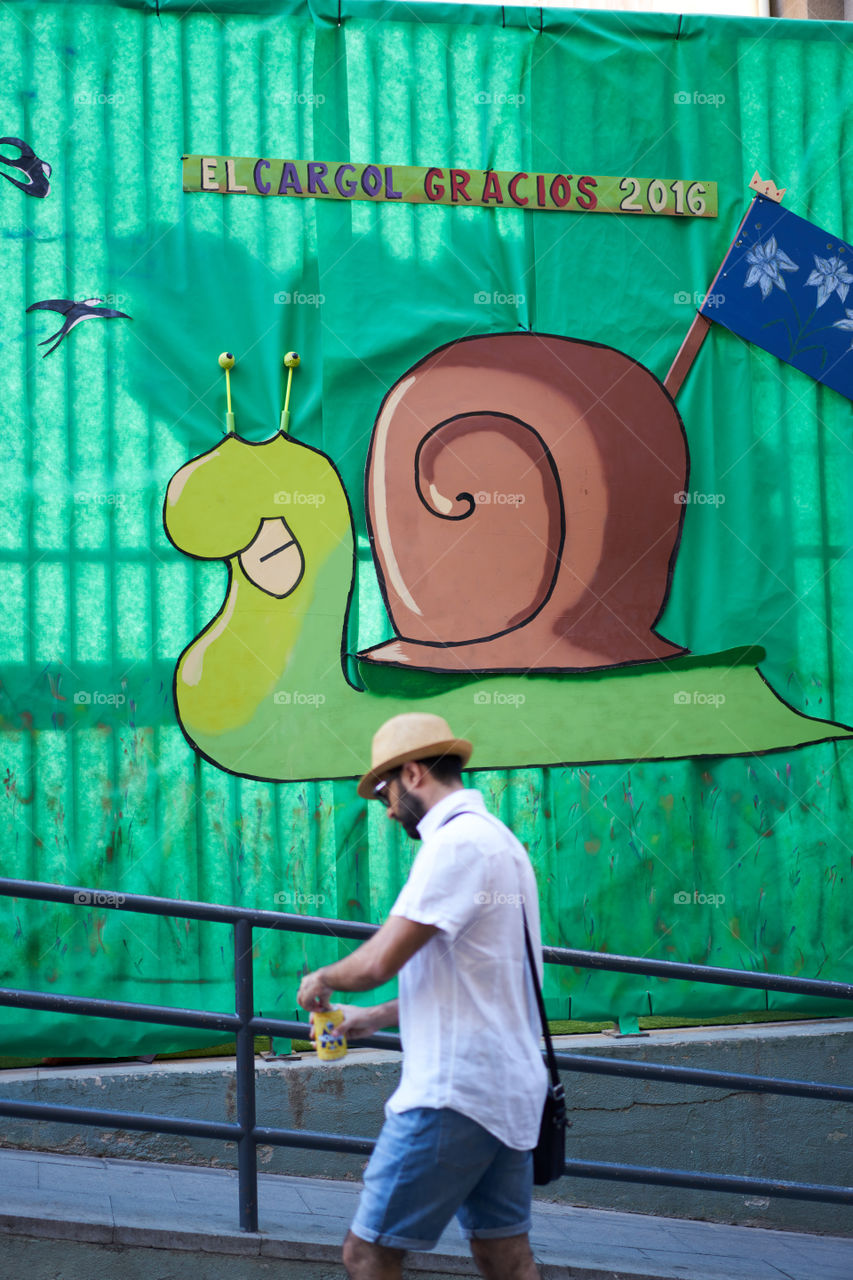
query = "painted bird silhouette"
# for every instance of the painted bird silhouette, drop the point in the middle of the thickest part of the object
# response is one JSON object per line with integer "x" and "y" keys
{"x": 74, "y": 312}
{"x": 38, "y": 171}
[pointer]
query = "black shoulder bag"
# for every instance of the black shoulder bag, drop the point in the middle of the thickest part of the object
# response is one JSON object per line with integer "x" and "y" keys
{"x": 549, "y": 1154}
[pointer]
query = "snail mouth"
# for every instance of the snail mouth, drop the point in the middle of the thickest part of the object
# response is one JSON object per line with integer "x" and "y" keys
{"x": 273, "y": 560}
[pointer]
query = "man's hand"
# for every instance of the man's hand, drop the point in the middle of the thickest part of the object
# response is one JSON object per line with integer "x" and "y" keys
{"x": 314, "y": 992}
{"x": 364, "y": 1021}
{"x": 359, "y": 1022}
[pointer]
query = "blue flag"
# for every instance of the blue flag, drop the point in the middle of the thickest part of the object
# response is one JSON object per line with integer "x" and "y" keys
{"x": 784, "y": 286}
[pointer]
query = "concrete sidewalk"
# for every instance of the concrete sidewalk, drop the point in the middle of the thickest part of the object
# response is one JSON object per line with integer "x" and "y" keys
{"x": 91, "y": 1206}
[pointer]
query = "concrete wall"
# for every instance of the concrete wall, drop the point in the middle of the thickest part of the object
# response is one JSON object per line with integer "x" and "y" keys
{"x": 612, "y": 1119}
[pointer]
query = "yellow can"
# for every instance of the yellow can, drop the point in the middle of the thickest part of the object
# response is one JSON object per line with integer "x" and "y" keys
{"x": 329, "y": 1044}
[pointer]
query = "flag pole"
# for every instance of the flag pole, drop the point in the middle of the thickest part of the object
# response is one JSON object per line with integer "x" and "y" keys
{"x": 689, "y": 349}
{"x": 687, "y": 353}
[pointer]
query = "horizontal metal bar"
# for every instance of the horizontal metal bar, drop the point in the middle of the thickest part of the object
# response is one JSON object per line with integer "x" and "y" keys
{"x": 625, "y": 1067}
{"x": 671, "y": 969}
{"x": 183, "y": 909}
{"x": 123, "y": 1010}
{"x": 320, "y": 925}
{"x": 586, "y": 1063}
{"x": 119, "y": 1119}
{"x": 706, "y": 1181}
{"x": 312, "y": 1141}
{"x": 698, "y": 1076}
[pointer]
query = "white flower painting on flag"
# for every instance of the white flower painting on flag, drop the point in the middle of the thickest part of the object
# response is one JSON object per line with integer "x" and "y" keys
{"x": 766, "y": 262}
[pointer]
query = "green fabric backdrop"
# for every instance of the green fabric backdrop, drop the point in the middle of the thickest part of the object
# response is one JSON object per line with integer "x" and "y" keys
{"x": 97, "y": 600}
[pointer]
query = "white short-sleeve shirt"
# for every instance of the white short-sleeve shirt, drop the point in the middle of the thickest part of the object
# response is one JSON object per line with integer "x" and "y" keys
{"x": 468, "y": 1017}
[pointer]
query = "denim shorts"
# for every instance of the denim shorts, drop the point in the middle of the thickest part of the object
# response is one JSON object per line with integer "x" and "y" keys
{"x": 431, "y": 1163}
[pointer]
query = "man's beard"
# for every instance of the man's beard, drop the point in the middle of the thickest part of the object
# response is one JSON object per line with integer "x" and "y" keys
{"x": 409, "y": 810}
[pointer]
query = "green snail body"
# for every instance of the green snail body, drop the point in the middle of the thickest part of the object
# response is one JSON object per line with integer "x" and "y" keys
{"x": 261, "y": 691}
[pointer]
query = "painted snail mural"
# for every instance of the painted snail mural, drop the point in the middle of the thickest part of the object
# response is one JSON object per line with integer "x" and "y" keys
{"x": 539, "y": 611}
{"x": 545, "y": 527}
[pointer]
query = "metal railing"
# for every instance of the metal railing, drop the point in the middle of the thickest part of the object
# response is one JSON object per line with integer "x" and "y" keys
{"x": 248, "y": 1134}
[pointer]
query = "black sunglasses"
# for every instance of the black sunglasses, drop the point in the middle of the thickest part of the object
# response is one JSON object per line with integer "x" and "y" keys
{"x": 381, "y": 792}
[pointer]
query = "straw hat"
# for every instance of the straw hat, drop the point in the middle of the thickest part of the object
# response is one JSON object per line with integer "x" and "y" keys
{"x": 415, "y": 735}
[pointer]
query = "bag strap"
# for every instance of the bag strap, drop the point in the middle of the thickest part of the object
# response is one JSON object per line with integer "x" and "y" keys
{"x": 540, "y": 1003}
{"x": 549, "y": 1048}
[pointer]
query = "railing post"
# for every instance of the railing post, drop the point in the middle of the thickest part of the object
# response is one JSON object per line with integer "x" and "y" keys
{"x": 244, "y": 1007}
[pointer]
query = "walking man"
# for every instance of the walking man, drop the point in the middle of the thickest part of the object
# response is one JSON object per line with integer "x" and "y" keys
{"x": 461, "y": 1125}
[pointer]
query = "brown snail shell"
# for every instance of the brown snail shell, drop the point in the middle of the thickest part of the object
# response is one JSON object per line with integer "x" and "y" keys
{"x": 521, "y": 504}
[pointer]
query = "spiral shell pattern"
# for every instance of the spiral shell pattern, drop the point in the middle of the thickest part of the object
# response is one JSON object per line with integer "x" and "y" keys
{"x": 520, "y": 503}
